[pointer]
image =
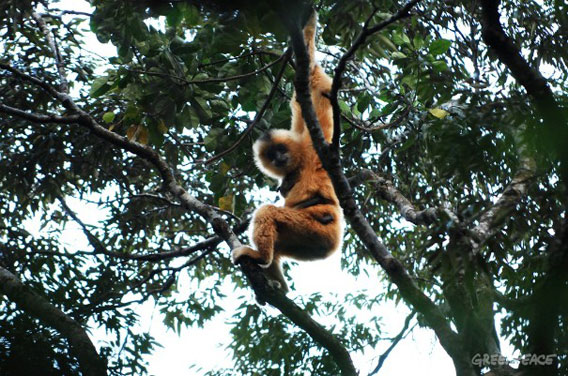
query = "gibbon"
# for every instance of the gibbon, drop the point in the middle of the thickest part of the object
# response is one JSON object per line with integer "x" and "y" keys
{"x": 310, "y": 225}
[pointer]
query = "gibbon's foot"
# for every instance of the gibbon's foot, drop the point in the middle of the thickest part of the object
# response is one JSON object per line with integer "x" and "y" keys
{"x": 248, "y": 251}
{"x": 275, "y": 277}
{"x": 275, "y": 284}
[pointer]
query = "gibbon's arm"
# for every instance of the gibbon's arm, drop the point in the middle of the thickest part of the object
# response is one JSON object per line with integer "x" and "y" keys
{"x": 322, "y": 215}
{"x": 320, "y": 85}
{"x": 317, "y": 199}
{"x": 288, "y": 182}
{"x": 278, "y": 153}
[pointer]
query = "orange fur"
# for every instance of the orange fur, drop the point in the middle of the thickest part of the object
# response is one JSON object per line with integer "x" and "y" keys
{"x": 302, "y": 233}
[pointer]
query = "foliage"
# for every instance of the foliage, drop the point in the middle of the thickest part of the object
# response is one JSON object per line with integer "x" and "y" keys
{"x": 454, "y": 130}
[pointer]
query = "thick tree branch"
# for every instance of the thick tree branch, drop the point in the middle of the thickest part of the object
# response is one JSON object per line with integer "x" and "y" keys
{"x": 299, "y": 317}
{"x": 549, "y": 302}
{"x": 221, "y": 228}
{"x": 493, "y": 219}
{"x": 409, "y": 291}
{"x": 556, "y": 125}
{"x": 39, "y": 307}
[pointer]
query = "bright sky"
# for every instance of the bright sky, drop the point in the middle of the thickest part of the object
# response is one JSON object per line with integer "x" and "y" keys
{"x": 205, "y": 348}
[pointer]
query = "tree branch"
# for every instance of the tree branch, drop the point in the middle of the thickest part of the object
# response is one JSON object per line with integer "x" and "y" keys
{"x": 556, "y": 126}
{"x": 409, "y": 291}
{"x": 247, "y": 54}
{"x": 212, "y": 80}
{"x": 42, "y": 119}
{"x": 210, "y": 243}
{"x": 387, "y": 191}
{"x": 298, "y": 316}
{"x": 395, "y": 342}
{"x": 90, "y": 363}
{"x": 253, "y": 271}
{"x": 93, "y": 240}
{"x": 342, "y": 64}
{"x": 74, "y": 12}
{"x": 373, "y": 128}
{"x": 492, "y": 220}
{"x": 63, "y": 85}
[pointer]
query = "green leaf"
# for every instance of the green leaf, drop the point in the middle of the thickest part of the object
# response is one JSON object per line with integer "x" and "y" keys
{"x": 174, "y": 17}
{"x": 99, "y": 87}
{"x": 363, "y": 102}
{"x": 385, "y": 41}
{"x": 344, "y": 107}
{"x": 398, "y": 55}
{"x": 418, "y": 41}
{"x": 440, "y": 66}
{"x": 439, "y": 46}
{"x": 438, "y": 112}
{"x": 108, "y": 117}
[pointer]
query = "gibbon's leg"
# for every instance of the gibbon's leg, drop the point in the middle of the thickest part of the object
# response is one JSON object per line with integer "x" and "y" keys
{"x": 307, "y": 234}
{"x": 263, "y": 236}
{"x": 297, "y": 233}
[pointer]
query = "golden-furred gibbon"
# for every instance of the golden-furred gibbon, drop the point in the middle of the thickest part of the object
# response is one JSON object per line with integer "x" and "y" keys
{"x": 310, "y": 225}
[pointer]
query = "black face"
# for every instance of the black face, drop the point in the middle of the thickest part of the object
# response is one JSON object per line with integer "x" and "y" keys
{"x": 278, "y": 155}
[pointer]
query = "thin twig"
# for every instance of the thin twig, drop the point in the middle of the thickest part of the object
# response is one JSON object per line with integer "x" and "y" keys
{"x": 253, "y": 53}
{"x": 342, "y": 64}
{"x": 209, "y": 80}
{"x": 63, "y": 85}
{"x": 49, "y": 118}
{"x": 401, "y": 335}
{"x": 93, "y": 240}
{"x": 75, "y": 12}
{"x": 403, "y": 115}
{"x": 259, "y": 114}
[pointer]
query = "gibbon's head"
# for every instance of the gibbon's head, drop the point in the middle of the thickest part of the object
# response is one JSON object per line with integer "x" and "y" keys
{"x": 277, "y": 153}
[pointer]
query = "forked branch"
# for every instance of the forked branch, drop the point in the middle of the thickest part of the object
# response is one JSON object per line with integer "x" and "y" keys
{"x": 396, "y": 272}
{"x": 258, "y": 280}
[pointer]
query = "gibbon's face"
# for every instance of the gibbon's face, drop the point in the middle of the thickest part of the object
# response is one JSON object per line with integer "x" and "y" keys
{"x": 278, "y": 154}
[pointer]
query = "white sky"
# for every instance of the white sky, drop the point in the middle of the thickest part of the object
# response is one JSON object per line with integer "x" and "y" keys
{"x": 419, "y": 353}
